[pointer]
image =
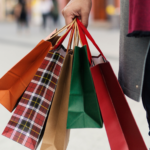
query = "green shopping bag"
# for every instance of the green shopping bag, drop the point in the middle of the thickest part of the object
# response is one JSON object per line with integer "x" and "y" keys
{"x": 83, "y": 108}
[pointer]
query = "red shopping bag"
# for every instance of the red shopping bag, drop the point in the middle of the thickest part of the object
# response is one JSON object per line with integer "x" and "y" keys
{"x": 121, "y": 128}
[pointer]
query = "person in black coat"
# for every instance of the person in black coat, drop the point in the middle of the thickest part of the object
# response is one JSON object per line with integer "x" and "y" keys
{"x": 22, "y": 17}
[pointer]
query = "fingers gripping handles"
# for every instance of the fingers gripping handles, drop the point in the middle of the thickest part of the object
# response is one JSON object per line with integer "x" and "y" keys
{"x": 82, "y": 31}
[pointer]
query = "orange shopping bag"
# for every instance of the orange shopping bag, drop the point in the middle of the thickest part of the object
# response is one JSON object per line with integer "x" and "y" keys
{"x": 15, "y": 81}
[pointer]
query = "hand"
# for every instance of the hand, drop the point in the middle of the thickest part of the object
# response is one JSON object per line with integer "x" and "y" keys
{"x": 77, "y": 8}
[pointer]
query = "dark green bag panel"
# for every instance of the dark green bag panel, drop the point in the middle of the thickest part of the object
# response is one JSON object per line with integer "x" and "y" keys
{"x": 83, "y": 109}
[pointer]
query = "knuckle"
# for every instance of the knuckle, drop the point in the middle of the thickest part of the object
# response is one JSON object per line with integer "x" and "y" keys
{"x": 66, "y": 12}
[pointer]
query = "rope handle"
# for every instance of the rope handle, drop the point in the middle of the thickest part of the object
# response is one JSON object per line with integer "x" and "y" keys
{"x": 62, "y": 38}
{"x": 76, "y": 36}
{"x": 83, "y": 41}
{"x": 70, "y": 39}
{"x": 62, "y": 29}
{"x": 83, "y": 31}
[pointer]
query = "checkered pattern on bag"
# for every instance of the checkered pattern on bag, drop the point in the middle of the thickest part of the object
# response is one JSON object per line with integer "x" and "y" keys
{"x": 28, "y": 119}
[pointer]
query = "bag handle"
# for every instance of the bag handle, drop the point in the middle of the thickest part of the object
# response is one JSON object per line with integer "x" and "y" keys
{"x": 83, "y": 31}
{"x": 73, "y": 35}
{"x": 70, "y": 39}
{"x": 83, "y": 41}
{"x": 61, "y": 30}
{"x": 62, "y": 38}
{"x": 76, "y": 36}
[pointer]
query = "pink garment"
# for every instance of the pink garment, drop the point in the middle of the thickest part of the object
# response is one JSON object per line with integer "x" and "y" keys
{"x": 139, "y": 18}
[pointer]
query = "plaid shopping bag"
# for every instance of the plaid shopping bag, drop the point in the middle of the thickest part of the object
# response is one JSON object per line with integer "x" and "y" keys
{"x": 28, "y": 119}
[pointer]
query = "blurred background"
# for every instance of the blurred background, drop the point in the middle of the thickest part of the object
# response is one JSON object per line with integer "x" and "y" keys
{"x": 23, "y": 23}
{"x": 33, "y": 11}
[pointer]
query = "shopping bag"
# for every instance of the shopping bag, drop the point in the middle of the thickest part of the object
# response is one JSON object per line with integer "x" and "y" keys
{"x": 121, "y": 128}
{"x": 56, "y": 135}
{"x": 16, "y": 80}
{"x": 83, "y": 109}
{"x": 28, "y": 119}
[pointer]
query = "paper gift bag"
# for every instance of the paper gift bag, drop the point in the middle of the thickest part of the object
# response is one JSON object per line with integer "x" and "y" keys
{"x": 56, "y": 124}
{"x": 27, "y": 121}
{"x": 83, "y": 109}
{"x": 16, "y": 80}
{"x": 121, "y": 128}
{"x": 56, "y": 135}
